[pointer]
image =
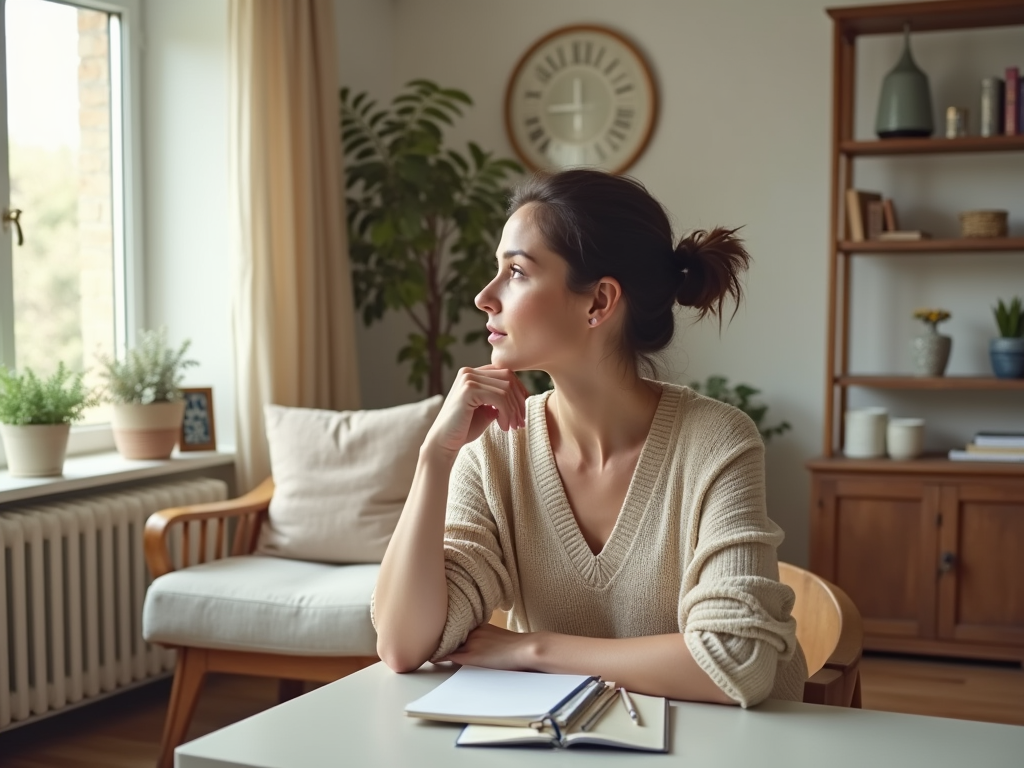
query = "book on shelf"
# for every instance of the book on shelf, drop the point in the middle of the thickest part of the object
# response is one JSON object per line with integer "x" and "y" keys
{"x": 1011, "y": 110}
{"x": 857, "y": 213}
{"x": 875, "y": 221}
{"x": 889, "y": 214}
{"x": 501, "y": 707}
{"x": 1010, "y": 450}
{"x": 904, "y": 234}
{"x": 999, "y": 439}
{"x": 959, "y": 455}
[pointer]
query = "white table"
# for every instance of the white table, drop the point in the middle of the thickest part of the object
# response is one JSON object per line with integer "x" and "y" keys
{"x": 358, "y": 721}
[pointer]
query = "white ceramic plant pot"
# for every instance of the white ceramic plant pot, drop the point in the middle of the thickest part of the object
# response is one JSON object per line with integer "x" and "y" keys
{"x": 147, "y": 431}
{"x": 35, "y": 450}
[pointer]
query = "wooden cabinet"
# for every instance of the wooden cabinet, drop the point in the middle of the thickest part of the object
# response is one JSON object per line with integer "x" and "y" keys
{"x": 934, "y": 562}
{"x": 930, "y": 550}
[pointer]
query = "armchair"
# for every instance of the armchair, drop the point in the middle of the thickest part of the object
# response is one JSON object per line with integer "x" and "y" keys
{"x": 226, "y": 609}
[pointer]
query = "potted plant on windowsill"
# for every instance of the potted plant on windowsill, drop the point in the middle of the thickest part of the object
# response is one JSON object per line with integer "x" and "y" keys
{"x": 36, "y": 417}
{"x": 1007, "y": 351}
{"x": 145, "y": 389}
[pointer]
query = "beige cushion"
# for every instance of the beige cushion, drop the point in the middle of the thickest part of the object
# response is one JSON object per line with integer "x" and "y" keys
{"x": 265, "y": 604}
{"x": 341, "y": 479}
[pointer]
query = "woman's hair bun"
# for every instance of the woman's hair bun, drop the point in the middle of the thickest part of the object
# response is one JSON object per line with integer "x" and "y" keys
{"x": 710, "y": 263}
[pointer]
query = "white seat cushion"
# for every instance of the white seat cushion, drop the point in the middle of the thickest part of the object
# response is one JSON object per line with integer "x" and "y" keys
{"x": 268, "y": 604}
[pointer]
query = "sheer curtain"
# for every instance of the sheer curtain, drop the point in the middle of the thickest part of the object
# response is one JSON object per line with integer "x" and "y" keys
{"x": 294, "y": 326}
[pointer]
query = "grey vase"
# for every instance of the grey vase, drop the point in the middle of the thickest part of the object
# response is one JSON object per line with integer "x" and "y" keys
{"x": 905, "y": 106}
{"x": 930, "y": 353}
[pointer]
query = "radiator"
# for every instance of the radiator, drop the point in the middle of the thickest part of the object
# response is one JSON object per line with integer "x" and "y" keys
{"x": 72, "y": 580}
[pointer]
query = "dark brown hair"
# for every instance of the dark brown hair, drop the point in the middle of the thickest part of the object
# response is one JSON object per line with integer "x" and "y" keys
{"x": 610, "y": 226}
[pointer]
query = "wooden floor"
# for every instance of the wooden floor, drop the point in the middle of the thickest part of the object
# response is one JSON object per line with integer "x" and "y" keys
{"x": 123, "y": 732}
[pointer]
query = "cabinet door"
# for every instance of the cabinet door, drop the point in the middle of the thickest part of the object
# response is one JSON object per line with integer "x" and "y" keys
{"x": 981, "y": 587}
{"x": 876, "y": 538}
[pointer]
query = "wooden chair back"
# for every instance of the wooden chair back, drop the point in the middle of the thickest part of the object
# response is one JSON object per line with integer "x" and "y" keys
{"x": 831, "y": 633}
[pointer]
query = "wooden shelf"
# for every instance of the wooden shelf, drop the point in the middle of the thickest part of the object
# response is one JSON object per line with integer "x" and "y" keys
{"x": 932, "y": 146}
{"x": 933, "y": 246}
{"x": 926, "y": 465}
{"x": 926, "y": 17}
{"x": 988, "y": 383}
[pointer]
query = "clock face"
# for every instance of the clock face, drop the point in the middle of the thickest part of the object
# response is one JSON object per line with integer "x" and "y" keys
{"x": 581, "y": 96}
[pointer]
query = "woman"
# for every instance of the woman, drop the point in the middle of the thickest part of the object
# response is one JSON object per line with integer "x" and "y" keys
{"x": 620, "y": 520}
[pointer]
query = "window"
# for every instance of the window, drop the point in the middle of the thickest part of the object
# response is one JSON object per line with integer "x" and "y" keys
{"x": 66, "y": 158}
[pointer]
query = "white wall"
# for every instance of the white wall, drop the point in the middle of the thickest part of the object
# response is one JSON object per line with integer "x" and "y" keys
{"x": 186, "y": 260}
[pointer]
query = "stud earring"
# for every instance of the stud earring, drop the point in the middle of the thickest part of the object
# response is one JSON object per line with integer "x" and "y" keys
{"x": 593, "y": 321}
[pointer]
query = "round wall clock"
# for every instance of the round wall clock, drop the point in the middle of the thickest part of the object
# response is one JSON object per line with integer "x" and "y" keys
{"x": 581, "y": 96}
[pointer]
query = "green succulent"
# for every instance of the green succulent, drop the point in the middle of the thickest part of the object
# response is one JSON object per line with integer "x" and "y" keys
{"x": 741, "y": 396}
{"x": 58, "y": 399}
{"x": 151, "y": 372}
{"x": 1009, "y": 318}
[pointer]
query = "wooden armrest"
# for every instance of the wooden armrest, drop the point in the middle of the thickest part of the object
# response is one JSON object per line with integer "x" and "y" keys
{"x": 850, "y": 648}
{"x": 251, "y": 508}
{"x": 824, "y": 687}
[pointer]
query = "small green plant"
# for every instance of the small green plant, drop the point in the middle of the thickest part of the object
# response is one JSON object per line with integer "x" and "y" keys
{"x": 150, "y": 373}
{"x": 741, "y": 396}
{"x": 1009, "y": 318}
{"x": 59, "y": 399}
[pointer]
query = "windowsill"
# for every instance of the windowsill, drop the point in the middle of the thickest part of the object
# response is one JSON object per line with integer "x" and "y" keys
{"x": 102, "y": 469}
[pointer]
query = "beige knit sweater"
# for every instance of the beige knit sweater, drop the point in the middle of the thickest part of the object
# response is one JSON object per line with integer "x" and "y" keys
{"x": 692, "y": 551}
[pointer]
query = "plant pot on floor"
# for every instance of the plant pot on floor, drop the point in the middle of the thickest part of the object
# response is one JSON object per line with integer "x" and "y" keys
{"x": 147, "y": 431}
{"x": 35, "y": 450}
{"x": 1007, "y": 356}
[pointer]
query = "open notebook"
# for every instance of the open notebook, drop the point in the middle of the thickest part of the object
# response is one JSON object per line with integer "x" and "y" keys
{"x": 531, "y": 708}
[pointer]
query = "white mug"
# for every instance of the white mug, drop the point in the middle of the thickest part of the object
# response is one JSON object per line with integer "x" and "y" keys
{"x": 905, "y": 438}
{"x": 865, "y": 433}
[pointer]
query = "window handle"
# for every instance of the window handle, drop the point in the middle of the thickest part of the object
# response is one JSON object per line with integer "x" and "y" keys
{"x": 11, "y": 216}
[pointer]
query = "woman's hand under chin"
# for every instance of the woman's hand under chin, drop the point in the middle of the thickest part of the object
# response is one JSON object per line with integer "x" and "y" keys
{"x": 497, "y": 648}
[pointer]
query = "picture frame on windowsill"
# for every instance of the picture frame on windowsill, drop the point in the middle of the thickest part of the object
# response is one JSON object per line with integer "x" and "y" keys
{"x": 197, "y": 425}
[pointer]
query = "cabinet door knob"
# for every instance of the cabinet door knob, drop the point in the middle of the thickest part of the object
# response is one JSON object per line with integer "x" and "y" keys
{"x": 946, "y": 562}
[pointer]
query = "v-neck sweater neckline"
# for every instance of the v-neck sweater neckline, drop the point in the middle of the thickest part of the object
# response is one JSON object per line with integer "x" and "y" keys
{"x": 598, "y": 569}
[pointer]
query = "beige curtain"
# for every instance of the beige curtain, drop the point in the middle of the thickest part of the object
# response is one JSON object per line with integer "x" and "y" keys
{"x": 294, "y": 334}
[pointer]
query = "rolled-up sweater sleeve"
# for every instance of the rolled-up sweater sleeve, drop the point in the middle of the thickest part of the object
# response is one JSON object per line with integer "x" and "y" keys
{"x": 733, "y": 611}
{"x": 475, "y": 570}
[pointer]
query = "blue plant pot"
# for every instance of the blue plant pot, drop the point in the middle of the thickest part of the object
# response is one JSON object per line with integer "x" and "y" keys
{"x": 1007, "y": 357}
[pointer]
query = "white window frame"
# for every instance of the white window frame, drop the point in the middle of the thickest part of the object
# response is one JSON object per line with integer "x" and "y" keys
{"x": 128, "y": 261}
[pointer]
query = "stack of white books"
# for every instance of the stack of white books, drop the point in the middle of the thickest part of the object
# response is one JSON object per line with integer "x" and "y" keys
{"x": 992, "y": 446}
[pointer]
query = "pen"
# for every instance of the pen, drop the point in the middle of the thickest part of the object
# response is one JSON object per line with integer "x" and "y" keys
{"x": 599, "y": 709}
{"x": 628, "y": 702}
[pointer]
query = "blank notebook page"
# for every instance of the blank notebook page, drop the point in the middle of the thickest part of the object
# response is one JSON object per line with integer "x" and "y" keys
{"x": 478, "y": 692}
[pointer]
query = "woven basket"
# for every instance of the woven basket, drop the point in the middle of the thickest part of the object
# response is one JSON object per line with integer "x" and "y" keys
{"x": 983, "y": 224}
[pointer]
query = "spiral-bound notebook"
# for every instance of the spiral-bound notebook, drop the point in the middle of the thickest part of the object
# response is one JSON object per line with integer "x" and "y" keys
{"x": 505, "y": 708}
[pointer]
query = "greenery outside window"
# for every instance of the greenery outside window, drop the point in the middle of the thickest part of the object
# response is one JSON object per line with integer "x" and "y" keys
{"x": 70, "y": 163}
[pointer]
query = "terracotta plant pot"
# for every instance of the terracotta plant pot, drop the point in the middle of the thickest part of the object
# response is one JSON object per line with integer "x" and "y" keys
{"x": 147, "y": 431}
{"x": 35, "y": 450}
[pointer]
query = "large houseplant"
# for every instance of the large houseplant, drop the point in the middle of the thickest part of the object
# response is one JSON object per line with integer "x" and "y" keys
{"x": 36, "y": 417}
{"x": 423, "y": 219}
{"x": 1007, "y": 351}
{"x": 145, "y": 389}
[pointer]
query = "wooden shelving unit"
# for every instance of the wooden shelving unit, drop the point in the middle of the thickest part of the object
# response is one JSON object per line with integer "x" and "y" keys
{"x": 926, "y": 547}
{"x": 931, "y": 247}
{"x": 931, "y": 146}
{"x": 949, "y": 383}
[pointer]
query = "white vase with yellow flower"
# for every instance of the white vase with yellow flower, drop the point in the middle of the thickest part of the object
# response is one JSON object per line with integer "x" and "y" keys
{"x": 930, "y": 352}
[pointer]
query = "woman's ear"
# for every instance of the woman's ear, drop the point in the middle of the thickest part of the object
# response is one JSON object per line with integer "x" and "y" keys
{"x": 606, "y": 296}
